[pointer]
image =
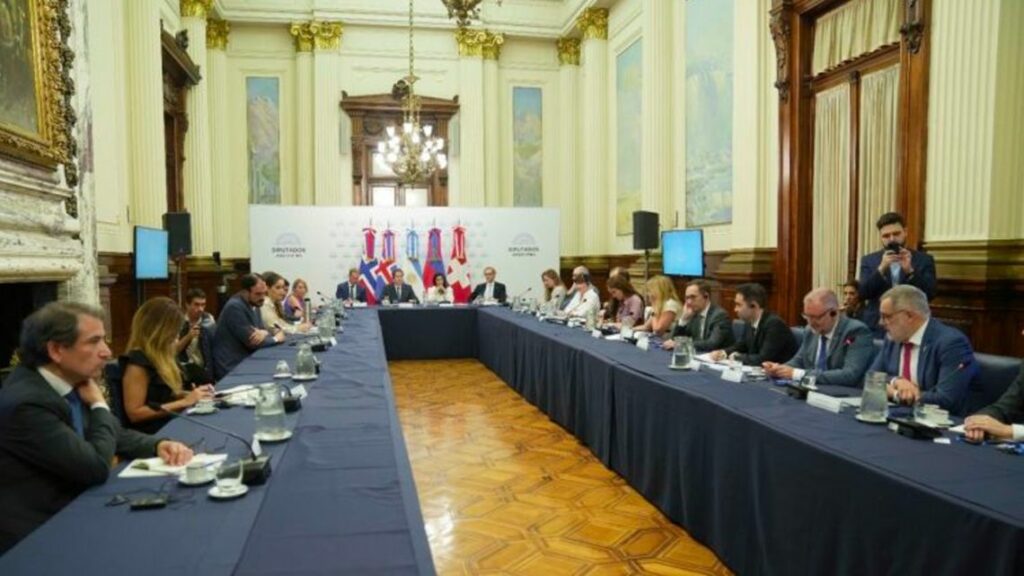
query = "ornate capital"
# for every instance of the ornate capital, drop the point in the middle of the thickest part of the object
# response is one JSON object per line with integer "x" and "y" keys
{"x": 568, "y": 51}
{"x": 217, "y": 34}
{"x": 781, "y": 34}
{"x": 471, "y": 42}
{"x": 316, "y": 35}
{"x": 593, "y": 23}
{"x": 195, "y": 8}
{"x": 491, "y": 47}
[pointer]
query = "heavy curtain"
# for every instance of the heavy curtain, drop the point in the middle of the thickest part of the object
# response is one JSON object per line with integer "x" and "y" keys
{"x": 831, "y": 185}
{"x": 856, "y": 28}
{"x": 879, "y": 105}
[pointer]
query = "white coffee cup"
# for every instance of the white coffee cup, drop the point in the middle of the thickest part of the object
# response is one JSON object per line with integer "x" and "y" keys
{"x": 197, "y": 472}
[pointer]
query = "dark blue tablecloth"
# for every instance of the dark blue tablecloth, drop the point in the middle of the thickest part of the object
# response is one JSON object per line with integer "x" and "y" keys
{"x": 341, "y": 499}
{"x": 772, "y": 485}
{"x": 429, "y": 332}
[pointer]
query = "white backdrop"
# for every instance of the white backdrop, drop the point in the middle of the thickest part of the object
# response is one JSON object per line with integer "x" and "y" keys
{"x": 320, "y": 243}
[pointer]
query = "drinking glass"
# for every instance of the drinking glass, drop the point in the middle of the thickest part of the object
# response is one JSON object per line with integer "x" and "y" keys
{"x": 229, "y": 476}
{"x": 874, "y": 403}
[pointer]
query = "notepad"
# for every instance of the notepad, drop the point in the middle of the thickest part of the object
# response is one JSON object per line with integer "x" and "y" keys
{"x": 155, "y": 466}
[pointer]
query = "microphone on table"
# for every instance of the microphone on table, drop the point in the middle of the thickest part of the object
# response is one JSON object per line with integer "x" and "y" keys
{"x": 523, "y": 293}
{"x": 255, "y": 470}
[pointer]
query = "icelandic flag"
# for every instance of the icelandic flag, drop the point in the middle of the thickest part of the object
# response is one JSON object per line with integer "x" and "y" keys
{"x": 458, "y": 270}
{"x": 369, "y": 277}
{"x": 435, "y": 262}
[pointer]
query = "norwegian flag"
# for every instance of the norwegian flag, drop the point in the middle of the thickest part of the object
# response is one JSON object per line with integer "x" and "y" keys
{"x": 435, "y": 262}
{"x": 388, "y": 260}
{"x": 458, "y": 270}
{"x": 369, "y": 276}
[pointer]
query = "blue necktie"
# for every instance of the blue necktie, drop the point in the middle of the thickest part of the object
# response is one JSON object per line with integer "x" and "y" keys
{"x": 822, "y": 364}
{"x": 894, "y": 270}
{"x": 76, "y": 412}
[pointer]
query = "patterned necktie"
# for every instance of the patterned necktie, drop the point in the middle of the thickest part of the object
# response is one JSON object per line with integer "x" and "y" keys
{"x": 822, "y": 364}
{"x": 76, "y": 412}
{"x": 905, "y": 371}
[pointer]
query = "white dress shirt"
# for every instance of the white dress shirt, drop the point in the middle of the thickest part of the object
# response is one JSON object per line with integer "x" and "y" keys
{"x": 435, "y": 295}
{"x": 489, "y": 291}
{"x": 63, "y": 388}
{"x": 582, "y": 306}
{"x": 915, "y": 352}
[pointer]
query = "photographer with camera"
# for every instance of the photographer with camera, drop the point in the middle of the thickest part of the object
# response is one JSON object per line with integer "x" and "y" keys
{"x": 893, "y": 265}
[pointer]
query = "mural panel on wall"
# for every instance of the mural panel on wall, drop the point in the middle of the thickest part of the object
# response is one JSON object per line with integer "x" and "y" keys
{"x": 629, "y": 129}
{"x": 528, "y": 173}
{"x": 263, "y": 107}
{"x": 709, "y": 70}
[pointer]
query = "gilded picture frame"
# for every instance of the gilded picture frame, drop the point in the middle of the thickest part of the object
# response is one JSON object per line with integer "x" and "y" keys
{"x": 36, "y": 117}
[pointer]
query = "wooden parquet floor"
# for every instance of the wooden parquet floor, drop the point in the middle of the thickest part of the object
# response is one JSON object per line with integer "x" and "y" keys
{"x": 506, "y": 491}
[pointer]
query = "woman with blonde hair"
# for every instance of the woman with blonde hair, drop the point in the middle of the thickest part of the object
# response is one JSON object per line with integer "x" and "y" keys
{"x": 294, "y": 304}
{"x": 150, "y": 372}
{"x": 554, "y": 290}
{"x": 665, "y": 304}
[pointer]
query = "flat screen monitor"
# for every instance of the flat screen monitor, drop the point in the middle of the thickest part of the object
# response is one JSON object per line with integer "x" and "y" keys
{"x": 683, "y": 252}
{"x": 150, "y": 253}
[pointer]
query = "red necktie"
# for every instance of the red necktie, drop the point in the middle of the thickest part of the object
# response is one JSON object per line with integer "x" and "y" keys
{"x": 905, "y": 372}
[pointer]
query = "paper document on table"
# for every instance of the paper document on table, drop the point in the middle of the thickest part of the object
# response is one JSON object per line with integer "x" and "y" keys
{"x": 235, "y": 389}
{"x": 155, "y": 466}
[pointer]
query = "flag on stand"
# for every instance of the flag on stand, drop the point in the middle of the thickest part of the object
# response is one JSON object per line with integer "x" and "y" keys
{"x": 369, "y": 277}
{"x": 413, "y": 267}
{"x": 458, "y": 269}
{"x": 435, "y": 261}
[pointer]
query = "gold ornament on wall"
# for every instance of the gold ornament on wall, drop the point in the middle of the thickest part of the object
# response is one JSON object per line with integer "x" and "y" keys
{"x": 479, "y": 43}
{"x": 593, "y": 23}
{"x": 36, "y": 88}
{"x": 217, "y": 32}
{"x": 195, "y": 8}
{"x": 568, "y": 51}
{"x": 316, "y": 35}
{"x": 464, "y": 11}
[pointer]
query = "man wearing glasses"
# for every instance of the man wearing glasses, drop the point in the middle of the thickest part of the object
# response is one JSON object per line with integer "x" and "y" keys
{"x": 929, "y": 362}
{"x": 705, "y": 322}
{"x": 839, "y": 349}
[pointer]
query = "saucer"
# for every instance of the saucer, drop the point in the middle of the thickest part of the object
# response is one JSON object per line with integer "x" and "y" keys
{"x": 217, "y": 494}
{"x": 186, "y": 482}
{"x": 880, "y": 420}
{"x": 299, "y": 378}
{"x": 283, "y": 375}
{"x": 678, "y": 367}
{"x": 271, "y": 439}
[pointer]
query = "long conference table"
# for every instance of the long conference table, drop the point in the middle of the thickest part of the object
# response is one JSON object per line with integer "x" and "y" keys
{"x": 770, "y": 484}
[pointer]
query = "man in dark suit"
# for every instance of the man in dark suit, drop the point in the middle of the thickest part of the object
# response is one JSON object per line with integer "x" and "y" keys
{"x": 928, "y": 361}
{"x": 707, "y": 324}
{"x": 837, "y": 348}
{"x": 766, "y": 338}
{"x": 240, "y": 330}
{"x": 893, "y": 265}
{"x": 351, "y": 291}
{"x": 195, "y": 341}
{"x": 398, "y": 291}
{"x": 57, "y": 435}
{"x": 1003, "y": 419}
{"x": 489, "y": 290}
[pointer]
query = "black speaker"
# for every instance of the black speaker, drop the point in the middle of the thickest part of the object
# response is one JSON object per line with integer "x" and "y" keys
{"x": 645, "y": 230}
{"x": 179, "y": 233}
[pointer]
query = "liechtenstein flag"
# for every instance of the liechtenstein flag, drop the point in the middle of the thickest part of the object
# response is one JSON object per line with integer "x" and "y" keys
{"x": 435, "y": 262}
{"x": 458, "y": 270}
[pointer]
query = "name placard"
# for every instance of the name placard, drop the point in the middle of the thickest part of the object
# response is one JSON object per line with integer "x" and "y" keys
{"x": 733, "y": 375}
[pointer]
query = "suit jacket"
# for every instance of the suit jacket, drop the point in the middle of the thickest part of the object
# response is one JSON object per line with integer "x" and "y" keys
{"x": 499, "y": 292}
{"x": 945, "y": 365}
{"x": 407, "y": 294}
{"x": 44, "y": 464}
{"x": 717, "y": 333}
{"x": 874, "y": 283}
{"x": 231, "y": 338}
{"x": 773, "y": 341}
{"x": 849, "y": 354}
{"x": 1009, "y": 409}
{"x": 342, "y": 292}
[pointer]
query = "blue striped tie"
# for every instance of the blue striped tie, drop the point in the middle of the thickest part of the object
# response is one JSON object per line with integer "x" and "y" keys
{"x": 822, "y": 364}
{"x": 76, "y": 412}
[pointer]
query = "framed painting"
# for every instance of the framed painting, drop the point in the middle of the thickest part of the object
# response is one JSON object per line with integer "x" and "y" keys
{"x": 35, "y": 84}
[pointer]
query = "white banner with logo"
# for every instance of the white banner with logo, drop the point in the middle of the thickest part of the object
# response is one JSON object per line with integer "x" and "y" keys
{"x": 319, "y": 244}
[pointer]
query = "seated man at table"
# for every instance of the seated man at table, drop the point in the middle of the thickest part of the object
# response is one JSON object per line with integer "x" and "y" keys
{"x": 706, "y": 323}
{"x": 351, "y": 291}
{"x": 489, "y": 290}
{"x": 399, "y": 292}
{"x": 57, "y": 435}
{"x": 573, "y": 298}
{"x": 928, "y": 361}
{"x": 766, "y": 338}
{"x": 1003, "y": 419}
{"x": 837, "y": 348}
{"x": 585, "y": 299}
{"x": 240, "y": 330}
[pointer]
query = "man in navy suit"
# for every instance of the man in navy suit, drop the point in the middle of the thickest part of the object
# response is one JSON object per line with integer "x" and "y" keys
{"x": 839, "y": 349}
{"x": 351, "y": 291}
{"x": 489, "y": 290}
{"x": 398, "y": 291}
{"x": 240, "y": 331}
{"x": 929, "y": 362}
{"x": 893, "y": 265}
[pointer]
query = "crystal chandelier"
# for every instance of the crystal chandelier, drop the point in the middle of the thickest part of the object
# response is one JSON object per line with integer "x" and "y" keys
{"x": 464, "y": 11}
{"x": 412, "y": 151}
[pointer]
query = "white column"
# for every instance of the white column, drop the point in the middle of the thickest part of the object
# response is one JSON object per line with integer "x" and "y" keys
{"x": 568, "y": 130}
{"x": 471, "y": 118}
{"x": 197, "y": 181}
{"x": 327, "y": 115}
{"x": 658, "y": 154}
{"x": 217, "y": 94}
{"x": 148, "y": 174}
{"x": 304, "y": 128}
{"x": 492, "y": 138}
{"x": 594, "y": 145}
{"x": 975, "y": 88}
